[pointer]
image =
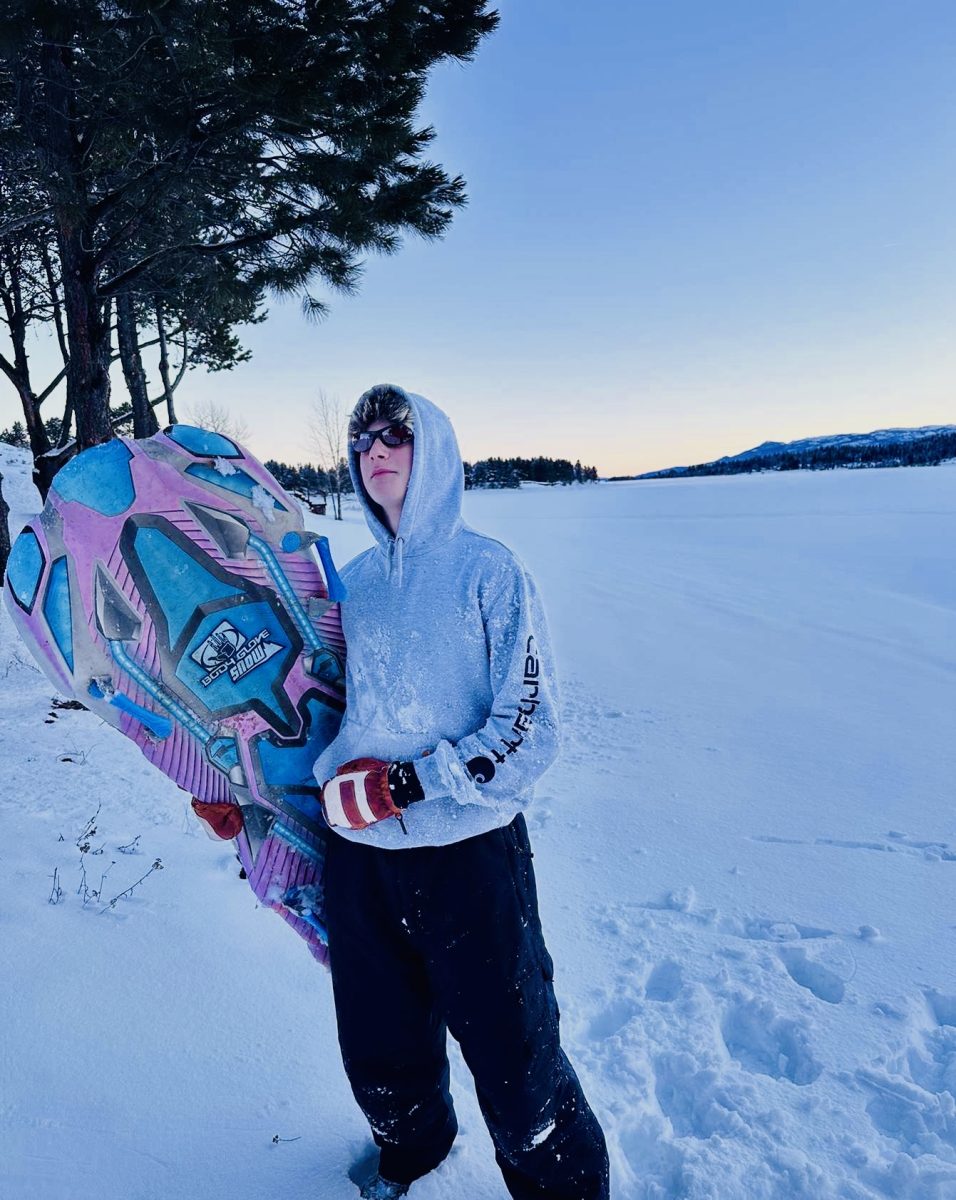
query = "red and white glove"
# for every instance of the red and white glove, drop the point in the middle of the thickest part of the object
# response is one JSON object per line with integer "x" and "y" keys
{"x": 220, "y": 821}
{"x": 367, "y": 790}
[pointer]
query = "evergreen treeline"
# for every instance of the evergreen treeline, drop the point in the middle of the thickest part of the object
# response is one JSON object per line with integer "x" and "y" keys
{"x": 16, "y": 434}
{"x": 307, "y": 481}
{"x": 926, "y": 451}
{"x": 511, "y": 472}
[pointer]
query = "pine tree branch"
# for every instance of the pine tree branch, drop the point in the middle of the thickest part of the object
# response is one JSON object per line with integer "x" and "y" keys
{"x": 53, "y": 385}
{"x": 9, "y": 370}
{"x": 25, "y": 222}
{"x": 55, "y": 301}
{"x": 202, "y": 249}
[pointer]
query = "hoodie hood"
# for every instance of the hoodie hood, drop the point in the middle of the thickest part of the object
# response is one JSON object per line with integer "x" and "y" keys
{"x": 431, "y": 513}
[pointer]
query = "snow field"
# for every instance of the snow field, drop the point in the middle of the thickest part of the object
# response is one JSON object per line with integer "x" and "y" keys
{"x": 746, "y": 861}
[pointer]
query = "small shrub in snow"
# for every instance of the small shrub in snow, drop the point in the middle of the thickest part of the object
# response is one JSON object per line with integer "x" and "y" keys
{"x": 157, "y": 866}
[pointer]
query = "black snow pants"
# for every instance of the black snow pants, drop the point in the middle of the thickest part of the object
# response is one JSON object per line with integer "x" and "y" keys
{"x": 443, "y": 938}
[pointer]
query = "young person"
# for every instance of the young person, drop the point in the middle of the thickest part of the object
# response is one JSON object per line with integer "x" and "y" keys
{"x": 430, "y": 895}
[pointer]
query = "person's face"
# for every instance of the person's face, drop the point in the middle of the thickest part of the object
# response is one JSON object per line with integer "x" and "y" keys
{"x": 385, "y": 473}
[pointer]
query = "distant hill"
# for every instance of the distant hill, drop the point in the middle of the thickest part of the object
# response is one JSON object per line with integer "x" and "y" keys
{"x": 923, "y": 447}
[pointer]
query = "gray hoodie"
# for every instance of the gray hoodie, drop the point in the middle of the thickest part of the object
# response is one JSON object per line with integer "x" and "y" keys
{"x": 449, "y": 659}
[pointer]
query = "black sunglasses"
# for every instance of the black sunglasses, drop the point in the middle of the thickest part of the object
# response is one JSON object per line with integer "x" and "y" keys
{"x": 391, "y": 435}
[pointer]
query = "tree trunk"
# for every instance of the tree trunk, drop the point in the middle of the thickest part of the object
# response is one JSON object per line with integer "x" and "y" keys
{"x": 36, "y": 431}
{"x": 164, "y": 365}
{"x": 18, "y": 372}
{"x": 144, "y": 419}
{"x": 66, "y": 426}
{"x": 55, "y": 301}
{"x": 43, "y": 469}
{"x": 87, "y": 317}
{"x": 88, "y": 335}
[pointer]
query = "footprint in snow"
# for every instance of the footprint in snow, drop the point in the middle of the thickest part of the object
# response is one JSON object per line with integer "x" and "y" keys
{"x": 652, "y": 1157}
{"x": 913, "y": 1106}
{"x": 911, "y": 1096}
{"x": 763, "y": 929}
{"x": 930, "y": 850}
{"x": 942, "y": 1007}
{"x": 933, "y": 1066}
{"x": 763, "y": 1042}
{"x": 814, "y": 976}
{"x": 664, "y": 982}
{"x": 612, "y": 1019}
{"x": 694, "y": 1098}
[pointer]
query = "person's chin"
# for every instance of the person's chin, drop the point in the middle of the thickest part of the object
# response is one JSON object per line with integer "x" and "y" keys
{"x": 384, "y": 490}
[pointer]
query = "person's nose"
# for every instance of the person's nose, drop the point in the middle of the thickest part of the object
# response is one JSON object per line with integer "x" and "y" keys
{"x": 379, "y": 449}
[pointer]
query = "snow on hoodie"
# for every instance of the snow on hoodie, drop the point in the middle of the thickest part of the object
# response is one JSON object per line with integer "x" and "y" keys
{"x": 449, "y": 659}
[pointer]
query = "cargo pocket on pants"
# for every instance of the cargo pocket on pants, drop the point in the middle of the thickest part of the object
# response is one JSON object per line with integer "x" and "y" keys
{"x": 547, "y": 972}
{"x": 538, "y": 968}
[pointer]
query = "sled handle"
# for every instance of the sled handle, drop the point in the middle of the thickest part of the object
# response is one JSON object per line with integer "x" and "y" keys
{"x": 161, "y": 726}
{"x": 337, "y": 589}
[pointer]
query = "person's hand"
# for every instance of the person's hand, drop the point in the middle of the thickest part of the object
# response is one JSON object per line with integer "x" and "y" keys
{"x": 367, "y": 790}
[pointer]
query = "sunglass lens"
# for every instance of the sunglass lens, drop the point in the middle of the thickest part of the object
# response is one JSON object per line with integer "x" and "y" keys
{"x": 396, "y": 435}
{"x": 393, "y": 435}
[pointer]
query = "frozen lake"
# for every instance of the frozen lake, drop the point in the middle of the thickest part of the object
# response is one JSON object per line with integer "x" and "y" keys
{"x": 746, "y": 861}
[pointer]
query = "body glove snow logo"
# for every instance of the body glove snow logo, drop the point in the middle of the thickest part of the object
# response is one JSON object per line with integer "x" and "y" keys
{"x": 226, "y": 649}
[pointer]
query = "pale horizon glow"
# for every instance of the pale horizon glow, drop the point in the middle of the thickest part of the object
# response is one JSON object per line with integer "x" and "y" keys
{"x": 691, "y": 229}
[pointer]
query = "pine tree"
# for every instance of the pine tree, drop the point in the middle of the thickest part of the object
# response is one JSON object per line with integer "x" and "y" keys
{"x": 16, "y": 435}
{"x": 275, "y": 143}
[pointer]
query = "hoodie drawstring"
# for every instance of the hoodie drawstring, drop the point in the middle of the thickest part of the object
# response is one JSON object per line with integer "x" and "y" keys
{"x": 396, "y": 559}
{"x": 399, "y": 557}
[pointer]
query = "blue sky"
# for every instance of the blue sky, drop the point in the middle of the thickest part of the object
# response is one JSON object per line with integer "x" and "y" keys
{"x": 692, "y": 227}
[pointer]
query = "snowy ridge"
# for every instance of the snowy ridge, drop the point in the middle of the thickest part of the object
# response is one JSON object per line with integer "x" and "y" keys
{"x": 746, "y": 860}
{"x": 878, "y": 437}
{"x": 925, "y": 445}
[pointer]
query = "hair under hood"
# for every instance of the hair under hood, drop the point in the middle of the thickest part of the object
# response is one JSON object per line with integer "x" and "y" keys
{"x": 384, "y": 402}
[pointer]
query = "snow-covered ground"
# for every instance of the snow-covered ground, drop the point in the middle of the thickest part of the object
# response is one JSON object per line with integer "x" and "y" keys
{"x": 746, "y": 861}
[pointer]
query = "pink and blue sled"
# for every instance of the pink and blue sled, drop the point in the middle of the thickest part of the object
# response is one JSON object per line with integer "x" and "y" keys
{"x": 170, "y": 586}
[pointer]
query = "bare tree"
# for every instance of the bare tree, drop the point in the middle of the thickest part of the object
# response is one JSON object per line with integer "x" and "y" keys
{"x": 207, "y": 414}
{"x": 328, "y": 426}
